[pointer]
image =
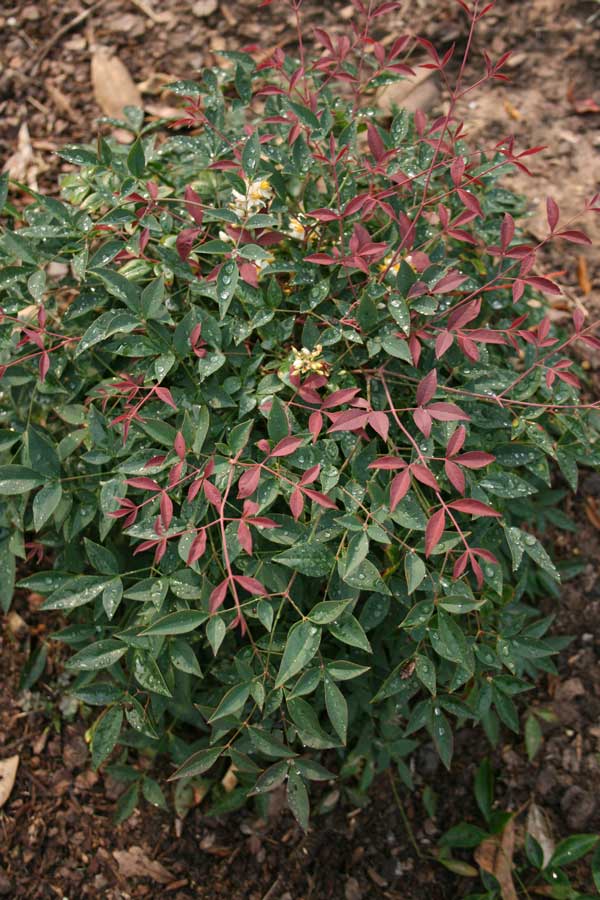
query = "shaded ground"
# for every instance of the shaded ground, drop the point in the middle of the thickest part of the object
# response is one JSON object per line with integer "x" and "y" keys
{"x": 57, "y": 837}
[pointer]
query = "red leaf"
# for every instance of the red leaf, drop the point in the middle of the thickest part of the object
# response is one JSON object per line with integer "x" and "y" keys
{"x": 449, "y": 282}
{"x": 460, "y": 565}
{"x": 315, "y": 424}
{"x": 185, "y": 241}
{"x": 422, "y": 420}
{"x": 552, "y": 213}
{"x": 287, "y": 446}
{"x": 376, "y": 145}
{"x": 252, "y": 585}
{"x": 339, "y": 397}
{"x": 166, "y": 509}
{"x": 543, "y": 284}
{"x": 507, "y": 230}
{"x": 474, "y": 508}
{"x": 422, "y": 474}
{"x": 296, "y": 503}
{"x": 455, "y": 475}
{"x": 427, "y": 388}
{"x": 211, "y": 493}
{"x": 311, "y": 474}
{"x": 387, "y": 462}
{"x": 193, "y": 204}
{"x": 475, "y": 459}
{"x": 574, "y": 236}
{"x": 179, "y": 445}
{"x": 443, "y": 342}
{"x": 399, "y": 488}
{"x": 262, "y": 522}
{"x": 197, "y": 547}
{"x": 380, "y": 423}
{"x": 146, "y": 484}
{"x": 164, "y": 394}
{"x": 350, "y": 420}
{"x": 447, "y": 412}
{"x": 320, "y": 499}
{"x": 248, "y": 482}
{"x": 217, "y": 597}
{"x": 244, "y": 537}
{"x": 434, "y": 531}
{"x": 457, "y": 440}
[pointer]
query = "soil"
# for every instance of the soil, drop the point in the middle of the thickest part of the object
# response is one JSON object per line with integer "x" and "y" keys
{"x": 57, "y": 836}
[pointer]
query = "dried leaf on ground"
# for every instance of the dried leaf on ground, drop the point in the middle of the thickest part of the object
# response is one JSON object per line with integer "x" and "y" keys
{"x": 539, "y": 829}
{"x": 20, "y": 165}
{"x": 204, "y": 8}
{"x": 421, "y": 92}
{"x": 495, "y": 855}
{"x": 134, "y": 863}
{"x": 114, "y": 88}
{"x": 8, "y": 773}
{"x": 583, "y": 276}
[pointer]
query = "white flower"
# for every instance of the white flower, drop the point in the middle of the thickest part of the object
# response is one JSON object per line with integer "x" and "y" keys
{"x": 257, "y": 194}
{"x": 297, "y": 229}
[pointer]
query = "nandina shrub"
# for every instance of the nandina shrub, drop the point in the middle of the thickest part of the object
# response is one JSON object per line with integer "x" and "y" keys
{"x": 282, "y": 406}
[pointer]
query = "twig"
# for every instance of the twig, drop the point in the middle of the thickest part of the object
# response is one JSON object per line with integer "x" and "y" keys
{"x": 403, "y": 815}
{"x": 148, "y": 11}
{"x": 43, "y": 53}
{"x": 272, "y": 889}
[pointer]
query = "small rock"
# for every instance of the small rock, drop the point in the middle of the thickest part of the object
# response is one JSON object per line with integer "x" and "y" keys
{"x": 569, "y": 689}
{"x": 204, "y": 8}
{"x": 579, "y": 807}
{"x": 353, "y": 891}
{"x": 6, "y": 885}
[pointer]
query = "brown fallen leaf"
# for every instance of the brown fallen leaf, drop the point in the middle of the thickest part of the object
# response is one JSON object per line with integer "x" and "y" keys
{"x": 229, "y": 780}
{"x": 420, "y": 92}
{"x": 495, "y": 855}
{"x": 8, "y": 773}
{"x": 592, "y": 511}
{"x": 20, "y": 165}
{"x": 583, "y": 277}
{"x": 114, "y": 88}
{"x": 134, "y": 863}
{"x": 581, "y": 107}
{"x": 204, "y": 8}
{"x": 512, "y": 111}
{"x": 539, "y": 829}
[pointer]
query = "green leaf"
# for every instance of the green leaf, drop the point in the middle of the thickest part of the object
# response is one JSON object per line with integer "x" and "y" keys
{"x": 7, "y": 575}
{"x": 366, "y": 576}
{"x": 414, "y": 570}
{"x": 101, "y": 559}
{"x": 147, "y": 674}
{"x": 397, "y": 347}
{"x": 76, "y": 592}
{"x": 251, "y": 155}
{"x": 302, "y": 643}
{"x": 344, "y": 670}
{"x": 572, "y": 848}
{"x": 350, "y": 631}
{"x": 106, "y": 734}
{"x": 198, "y": 763}
{"x": 153, "y": 793}
{"x": 136, "y": 160}
{"x": 184, "y": 658}
{"x": 127, "y": 802}
{"x": 45, "y": 503}
{"x": 266, "y": 744}
{"x": 442, "y": 736}
{"x": 337, "y": 708}
{"x": 484, "y": 789}
{"x": 277, "y": 424}
{"x": 327, "y": 611}
{"x": 596, "y": 868}
{"x": 232, "y": 703}
{"x": 533, "y": 736}
{"x": 100, "y": 655}
{"x": 180, "y": 622}
{"x": 358, "y": 547}
{"x": 15, "y": 479}
{"x": 33, "y": 668}
{"x": 3, "y": 190}
{"x": 105, "y": 326}
{"x": 425, "y": 672}
{"x": 271, "y": 778}
{"x": 311, "y": 558}
{"x": 297, "y": 798}
{"x": 112, "y": 596}
{"x": 307, "y": 724}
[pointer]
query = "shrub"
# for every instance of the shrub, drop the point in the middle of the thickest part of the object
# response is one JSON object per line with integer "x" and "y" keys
{"x": 282, "y": 403}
